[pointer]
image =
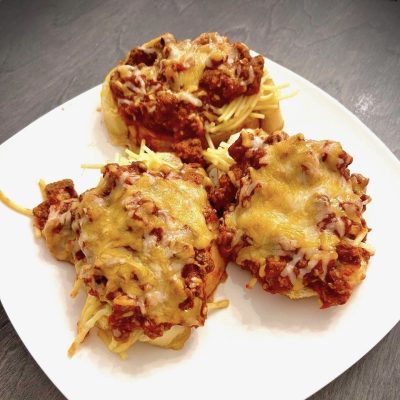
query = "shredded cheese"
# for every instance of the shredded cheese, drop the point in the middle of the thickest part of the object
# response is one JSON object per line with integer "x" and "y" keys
{"x": 298, "y": 192}
{"x": 220, "y": 157}
{"x": 152, "y": 160}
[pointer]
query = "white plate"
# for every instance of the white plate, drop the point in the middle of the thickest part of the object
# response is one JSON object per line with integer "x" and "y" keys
{"x": 262, "y": 345}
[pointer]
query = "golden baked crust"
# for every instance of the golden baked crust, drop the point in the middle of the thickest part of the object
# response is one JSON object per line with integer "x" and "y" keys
{"x": 168, "y": 92}
{"x": 293, "y": 215}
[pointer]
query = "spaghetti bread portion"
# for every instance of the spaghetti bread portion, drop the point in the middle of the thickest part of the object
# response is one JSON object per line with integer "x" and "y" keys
{"x": 293, "y": 214}
{"x": 147, "y": 264}
{"x": 182, "y": 95}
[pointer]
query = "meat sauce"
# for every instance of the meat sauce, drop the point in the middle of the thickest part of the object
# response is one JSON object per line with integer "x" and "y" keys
{"x": 332, "y": 280}
{"x": 135, "y": 312}
{"x": 152, "y": 94}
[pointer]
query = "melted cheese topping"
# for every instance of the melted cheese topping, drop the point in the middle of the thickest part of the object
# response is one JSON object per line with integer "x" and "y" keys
{"x": 130, "y": 239}
{"x": 119, "y": 244}
{"x": 295, "y": 191}
{"x": 183, "y": 68}
{"x": 194, "y": 58}
{"x": 61, "y": 242}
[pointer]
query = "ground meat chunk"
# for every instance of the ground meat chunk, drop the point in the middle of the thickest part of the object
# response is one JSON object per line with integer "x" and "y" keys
{"x": 335, "y": 290}
{"x": 139, "y": 56}
{"x": 55, "y": 192}
{"x": 190, "y": 151}
{"x": 351, "y": 255}
{"x": 237, "y": 150}
{"x": 171, "y": 116}
{"x": 242, "y": 49}
{"x": 257, "y": 64}
{"x": 41, "y": 213}
{"x": 224, "y": 194}
{"x": 124, "y": 325}
{"x": 60, "y": 190}
{"x": 274, "y": 280}
{"x": 221, "y": 88}
{"x": 344, "y": 161}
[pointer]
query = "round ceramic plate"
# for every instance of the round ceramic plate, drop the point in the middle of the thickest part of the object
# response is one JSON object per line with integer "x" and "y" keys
{"x": 263, "y": 345}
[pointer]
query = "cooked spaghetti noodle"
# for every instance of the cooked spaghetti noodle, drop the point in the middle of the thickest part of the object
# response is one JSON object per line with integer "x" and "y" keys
{"x": 14, "y": 206}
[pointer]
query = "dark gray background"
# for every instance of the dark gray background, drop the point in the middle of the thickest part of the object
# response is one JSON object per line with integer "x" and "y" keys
{"x": 50, "y": 51}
